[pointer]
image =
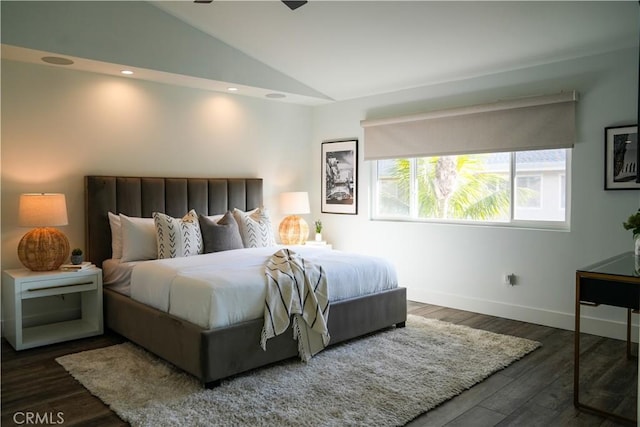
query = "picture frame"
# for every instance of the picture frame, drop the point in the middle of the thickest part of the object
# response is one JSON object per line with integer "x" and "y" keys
{"x": 621, "y": 158}
{"x": 340, "y": 176}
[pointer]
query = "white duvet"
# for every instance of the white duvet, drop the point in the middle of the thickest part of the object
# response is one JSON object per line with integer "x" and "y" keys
{"x": 223, "y": 288}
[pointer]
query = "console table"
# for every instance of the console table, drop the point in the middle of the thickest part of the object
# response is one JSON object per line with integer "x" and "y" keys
{"x": 615, "y": 282}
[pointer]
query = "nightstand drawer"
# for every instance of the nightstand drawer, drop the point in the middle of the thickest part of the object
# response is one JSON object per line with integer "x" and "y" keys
{"x": 67, "y": 285}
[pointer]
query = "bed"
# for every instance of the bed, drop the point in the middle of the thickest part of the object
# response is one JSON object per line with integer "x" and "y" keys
{"x": 209, "y": 353}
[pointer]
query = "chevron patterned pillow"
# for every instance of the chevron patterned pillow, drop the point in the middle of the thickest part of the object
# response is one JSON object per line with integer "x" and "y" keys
{"x": 255, "y": 228}
{"x": 178, "y": 237}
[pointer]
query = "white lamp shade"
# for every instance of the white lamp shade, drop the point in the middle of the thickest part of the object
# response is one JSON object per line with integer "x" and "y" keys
{"x": 42, "y": 210}
{"x": 295, "y": 203}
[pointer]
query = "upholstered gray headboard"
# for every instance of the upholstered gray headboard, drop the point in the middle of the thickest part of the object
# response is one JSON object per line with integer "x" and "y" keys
{"x": 140, "y": 197}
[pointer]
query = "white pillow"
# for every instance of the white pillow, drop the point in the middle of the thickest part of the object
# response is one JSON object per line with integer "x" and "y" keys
{"x": 178, "y": 237}
{"x": 255, "y": 228}
{"x": 138, "y": 239}
{"x": 116, "y": 236}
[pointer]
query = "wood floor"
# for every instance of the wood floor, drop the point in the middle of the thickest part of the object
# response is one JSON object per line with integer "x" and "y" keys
{"x": 534, "y": 391}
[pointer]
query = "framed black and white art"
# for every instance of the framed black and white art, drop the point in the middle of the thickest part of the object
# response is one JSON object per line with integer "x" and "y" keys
{"x": 340, "y": 176}
{"x": 621, "y": 158}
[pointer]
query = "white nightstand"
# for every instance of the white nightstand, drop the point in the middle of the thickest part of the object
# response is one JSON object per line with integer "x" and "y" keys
{"x": 319, "y": 244}
{"x": 22, "y": 284}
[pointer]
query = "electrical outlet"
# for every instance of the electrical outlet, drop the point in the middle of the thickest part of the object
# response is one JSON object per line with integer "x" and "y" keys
{"x": 510, "y": 279}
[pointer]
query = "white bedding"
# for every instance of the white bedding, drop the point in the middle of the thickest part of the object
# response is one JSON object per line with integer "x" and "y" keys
{"x": 224, "y": 288}
{"x": 116, "y": 275}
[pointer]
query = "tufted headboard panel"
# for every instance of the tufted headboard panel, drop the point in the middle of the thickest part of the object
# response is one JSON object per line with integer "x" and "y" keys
{"x": 140, "y": 197}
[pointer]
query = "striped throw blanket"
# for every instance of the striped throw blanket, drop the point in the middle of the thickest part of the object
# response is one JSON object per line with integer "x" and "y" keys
{"x": 296, "y": 288}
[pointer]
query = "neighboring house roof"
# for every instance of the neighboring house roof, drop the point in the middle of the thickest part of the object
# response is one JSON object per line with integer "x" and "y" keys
{"x": 530, "y": 160}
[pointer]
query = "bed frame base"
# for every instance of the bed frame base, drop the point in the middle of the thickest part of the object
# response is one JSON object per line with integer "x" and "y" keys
{"x": 212, "y": 384}
{"x": 214, "y": 354}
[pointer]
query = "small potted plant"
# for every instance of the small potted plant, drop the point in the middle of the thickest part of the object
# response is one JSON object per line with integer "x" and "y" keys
{"x": 318, "y": 225}
{"x": 633, "y": 224}
{"x": 76, "y": 256}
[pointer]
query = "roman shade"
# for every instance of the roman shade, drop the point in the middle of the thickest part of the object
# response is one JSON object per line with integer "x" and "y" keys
{"x": 533, "y": 123}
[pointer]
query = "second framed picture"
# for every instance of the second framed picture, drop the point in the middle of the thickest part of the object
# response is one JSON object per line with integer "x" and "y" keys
{"x": 340, "y": 176}
{"x": 621, "y": 158}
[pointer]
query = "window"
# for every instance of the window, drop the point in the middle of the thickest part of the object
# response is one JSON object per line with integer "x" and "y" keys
{"x": 394, "y": 193}
{"x": 528, "y": 191}
{"x": 562, "y": 183}
{"x": 517, "y": 188}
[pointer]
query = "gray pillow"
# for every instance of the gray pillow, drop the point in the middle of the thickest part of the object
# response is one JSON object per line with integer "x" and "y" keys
{"x": 219, "y": 236}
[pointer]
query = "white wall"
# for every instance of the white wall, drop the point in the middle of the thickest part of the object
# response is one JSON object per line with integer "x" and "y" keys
{"x": 463, "y": 266}
{"x": 59, "y": 125}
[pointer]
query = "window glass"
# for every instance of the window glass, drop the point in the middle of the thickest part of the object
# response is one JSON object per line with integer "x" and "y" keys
{"x": 469, "y": 187}
{"x": 474, "y": 187}
{"x": 563, "y": 190}
{"x": 528, "y": 191}
{"x": 540, "y": 185}
{"x": 393, "y": 187}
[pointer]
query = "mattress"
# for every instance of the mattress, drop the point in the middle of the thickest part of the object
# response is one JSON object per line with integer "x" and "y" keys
{"x": 224, "y": 288}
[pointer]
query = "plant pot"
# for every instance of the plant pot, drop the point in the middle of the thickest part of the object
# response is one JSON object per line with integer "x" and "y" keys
{"x": 318, "y": 237}
{"x": 76, "y": 259}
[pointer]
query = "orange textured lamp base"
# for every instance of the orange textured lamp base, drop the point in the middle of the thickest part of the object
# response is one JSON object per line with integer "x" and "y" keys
{"x": 43, "y": 249}
{"x": 293, "y": 230}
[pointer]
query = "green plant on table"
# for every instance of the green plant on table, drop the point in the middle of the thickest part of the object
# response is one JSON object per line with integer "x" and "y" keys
{"x": 318, "y": 225}
{"x": 633, "y": 223}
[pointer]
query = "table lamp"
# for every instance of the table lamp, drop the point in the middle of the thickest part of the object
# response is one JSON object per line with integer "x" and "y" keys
{"x": 294, "y": 230}
{"x": 44, "y": 248}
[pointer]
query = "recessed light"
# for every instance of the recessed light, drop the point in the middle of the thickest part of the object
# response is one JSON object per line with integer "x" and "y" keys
{"x": 126, "y": 72}
{"x": 276, "y": 95}
{"x": 232, "y": 89}
{"x": 57, "y": 60}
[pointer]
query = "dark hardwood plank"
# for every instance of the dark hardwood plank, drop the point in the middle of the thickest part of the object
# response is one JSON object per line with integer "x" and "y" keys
{"x": 534, "y": 391}
{"x": 541, "y": 388}
{"x": 477, "y": 417}
{"x": 458, "y": 406}
{"x": 32, "y": 381}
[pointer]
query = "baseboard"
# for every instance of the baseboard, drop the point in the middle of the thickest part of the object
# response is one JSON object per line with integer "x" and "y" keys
{"x": 591, "y": 325}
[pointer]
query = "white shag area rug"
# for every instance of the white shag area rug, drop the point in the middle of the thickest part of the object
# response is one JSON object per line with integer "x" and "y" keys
{"x": 384, "y": 379}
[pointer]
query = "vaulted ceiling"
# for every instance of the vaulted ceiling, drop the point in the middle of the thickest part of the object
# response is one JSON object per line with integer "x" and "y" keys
{"x": 348, "y": 49}
{"x": 322, "y": 51}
